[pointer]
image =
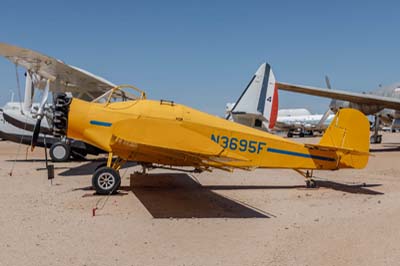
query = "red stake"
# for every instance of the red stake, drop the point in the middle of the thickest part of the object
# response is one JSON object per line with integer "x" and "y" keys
{"x": 94, "y": 212}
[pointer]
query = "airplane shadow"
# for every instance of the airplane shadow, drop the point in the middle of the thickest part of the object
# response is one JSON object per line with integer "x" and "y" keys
{"x": 350, "y": 188}
{"x": 177, "y": 195}
{"x": 27, "y": 160}
{"x": 44, "y": 160}
{"x": 90, "y": 167}
{"x": 387, "y": 148}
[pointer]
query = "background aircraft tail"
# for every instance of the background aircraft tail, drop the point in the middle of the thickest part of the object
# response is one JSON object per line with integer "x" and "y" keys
{"x": 259, "y": 101}
{"x": 348, "y": 134}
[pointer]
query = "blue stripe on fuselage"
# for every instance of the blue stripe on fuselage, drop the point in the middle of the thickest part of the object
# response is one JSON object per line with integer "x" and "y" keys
{"x": 304, "y": 155}
{"x": 100, "y": 123}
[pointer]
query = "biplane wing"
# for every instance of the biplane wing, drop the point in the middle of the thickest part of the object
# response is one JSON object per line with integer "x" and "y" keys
{"x": 81, "y": 83}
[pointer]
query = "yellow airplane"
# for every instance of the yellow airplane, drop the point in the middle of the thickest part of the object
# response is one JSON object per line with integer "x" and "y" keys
{"x": 163, "y": 133}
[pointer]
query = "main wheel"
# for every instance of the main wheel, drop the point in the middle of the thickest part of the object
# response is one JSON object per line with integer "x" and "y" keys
{"x": 106, "y": 181}
{"x": 60, "y": 152}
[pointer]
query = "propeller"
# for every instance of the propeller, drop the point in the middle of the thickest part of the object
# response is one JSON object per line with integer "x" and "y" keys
{"x": 328, "y": 112}
{"x": 35, "y": 135}
{"x": 40, "y": 115}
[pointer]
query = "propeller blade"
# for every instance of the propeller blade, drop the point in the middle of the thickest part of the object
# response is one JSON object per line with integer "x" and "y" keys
{"x": 332, "y": 105}
{"x": 35, "y": 134}
{"x": 323, "y": 118}
{"x": 328, "y": 83}
{"x": 328, "y": 112}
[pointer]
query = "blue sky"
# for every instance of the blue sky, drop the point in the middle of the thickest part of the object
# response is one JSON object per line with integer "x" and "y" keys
{"x": 203, "y": 53}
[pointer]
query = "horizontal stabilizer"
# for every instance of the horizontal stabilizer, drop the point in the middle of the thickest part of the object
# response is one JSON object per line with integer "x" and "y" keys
{"x": 329, "y": 148}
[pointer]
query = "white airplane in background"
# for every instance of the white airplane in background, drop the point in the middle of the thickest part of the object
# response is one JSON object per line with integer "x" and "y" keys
{"x": 23, "y": 135}
{"x": 383, "y": 103}
{"x": 51, "y": 76}
{"x": 301, "y": 122}
{"x": 257, "y": 106}
{"x": 7, "y": 130}
{"x": 297, "y": 121}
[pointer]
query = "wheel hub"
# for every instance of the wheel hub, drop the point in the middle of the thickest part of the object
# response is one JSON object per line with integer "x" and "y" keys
{"x": 106, "y": 181}
{"x": 59, "y": 152}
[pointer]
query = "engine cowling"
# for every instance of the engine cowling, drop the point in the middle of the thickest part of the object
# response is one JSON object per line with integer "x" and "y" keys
{"x": 60, "y": 116}
{"x": 367, "y": 109}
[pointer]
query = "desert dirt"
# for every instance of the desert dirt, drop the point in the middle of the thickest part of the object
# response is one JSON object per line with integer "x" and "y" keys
{"x": 264, "y": 217}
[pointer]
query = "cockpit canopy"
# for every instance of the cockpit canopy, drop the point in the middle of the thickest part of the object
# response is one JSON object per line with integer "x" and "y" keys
{"x": 121, "y": 93}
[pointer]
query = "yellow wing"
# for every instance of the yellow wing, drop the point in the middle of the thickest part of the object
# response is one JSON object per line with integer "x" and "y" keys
{"x": 167, "y": 142}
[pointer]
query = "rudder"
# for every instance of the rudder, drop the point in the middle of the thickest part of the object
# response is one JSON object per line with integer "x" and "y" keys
{"x": 349, "y": 133}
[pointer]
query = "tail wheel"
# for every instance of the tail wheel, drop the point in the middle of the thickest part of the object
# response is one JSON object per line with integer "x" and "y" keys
{"x": 310, "y": 183}
{"x": 60, "y": 152}
{"x": 106, "y": 181}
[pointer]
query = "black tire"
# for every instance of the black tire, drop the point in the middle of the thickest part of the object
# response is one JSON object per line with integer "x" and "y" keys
{"x": 60, "y": 152}
{"x": 290, "y": 134}
{"x": 106, "y": 181}
{"x": 301, "y": 135}
{"x": 376, "y": 139}
{"x": 311, "y": 183}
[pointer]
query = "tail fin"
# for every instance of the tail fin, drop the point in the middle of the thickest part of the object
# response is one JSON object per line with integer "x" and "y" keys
{"x": 349, "y": 134}
{"x": 271, "y": 100}
{"x": 259, "y": 100}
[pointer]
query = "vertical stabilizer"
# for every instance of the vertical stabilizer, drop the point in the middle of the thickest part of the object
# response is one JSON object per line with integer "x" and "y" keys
{"x": 259, "y": 100}
{"x": 349, "y": 132}
{"x": 270, "y": 111}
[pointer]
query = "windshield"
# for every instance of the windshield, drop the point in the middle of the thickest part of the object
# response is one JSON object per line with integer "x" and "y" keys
{"x": 121, "y": 93}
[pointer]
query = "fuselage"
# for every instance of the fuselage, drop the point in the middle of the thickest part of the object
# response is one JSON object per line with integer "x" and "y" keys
{"x": 13, "y": 113}
{"x": 97, "y": 124}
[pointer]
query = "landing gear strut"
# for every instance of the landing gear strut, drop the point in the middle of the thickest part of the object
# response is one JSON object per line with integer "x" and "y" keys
{"x": 106, "y": 180}
{"x": 308, "y": 176}
{"x": 145, "y": 168}
{"x": 376, "y": 138}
